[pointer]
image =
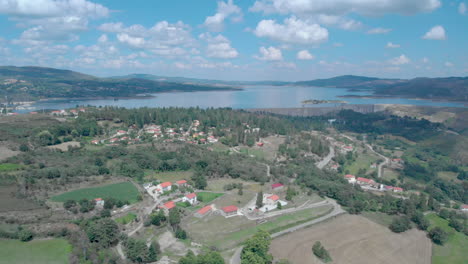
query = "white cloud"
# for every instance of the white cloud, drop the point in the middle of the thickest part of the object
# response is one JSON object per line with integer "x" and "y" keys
{"x": 379, "y": 30}
{"x": 341, "y": 7}
{"x": 402, "y": 59}
{"x": 50, "y": 19}
{"x": 292, "y": 31}
{"x": 285, "y": 65}
{"x": 225, "y": 10}
{"x": 219, "y": 47}
{"x": 269, "y": 54}
{"x": 163, "y": 38}
{"x": 337, "y": 44}
{"x": 462, "y": 8}
{"x": 304, "y": 55}
{"x": 103, "y": 38}
{"x": 341, "y": 22}
{"x": 425, "y": 60}
{"x": 391, "y": 45}
{"x": 436, "y": 33}
{"x": 448, "y": 64}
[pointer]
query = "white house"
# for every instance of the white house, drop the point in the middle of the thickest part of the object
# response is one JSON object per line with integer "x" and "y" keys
{"x": 99, "y": 202}
{"x": 165, "y": 186}
{"x": 191, "y": 198}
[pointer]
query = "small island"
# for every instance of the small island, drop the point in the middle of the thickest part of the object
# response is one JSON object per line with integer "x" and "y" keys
{"x": 313, "y": 101}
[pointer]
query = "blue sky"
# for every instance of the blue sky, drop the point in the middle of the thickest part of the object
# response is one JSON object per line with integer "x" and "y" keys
{"x": 239, "y": 40}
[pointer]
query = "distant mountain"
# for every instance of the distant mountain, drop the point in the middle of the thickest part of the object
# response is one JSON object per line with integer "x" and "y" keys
{"x": 31, "y": 83}
{"x": 199, "y": 81}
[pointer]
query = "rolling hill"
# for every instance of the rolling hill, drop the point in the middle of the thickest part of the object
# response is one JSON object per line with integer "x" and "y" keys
{"x": 32, "y": 83}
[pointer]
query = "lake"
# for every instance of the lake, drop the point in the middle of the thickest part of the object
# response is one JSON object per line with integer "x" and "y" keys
{"x": 250, "y": 97}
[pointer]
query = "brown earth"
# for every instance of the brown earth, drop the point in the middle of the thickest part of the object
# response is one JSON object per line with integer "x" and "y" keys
{"x": 8, "y": 201}
{"x": 64, "y": 146}
{"x": 5, "y": 152}
{"x": 354, "y": 239}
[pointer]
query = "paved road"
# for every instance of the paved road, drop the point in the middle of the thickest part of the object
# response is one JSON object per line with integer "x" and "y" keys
{"x": 380, "y": 166}
{"x": 327, "y": 159}
{"x": 337, "y": 210}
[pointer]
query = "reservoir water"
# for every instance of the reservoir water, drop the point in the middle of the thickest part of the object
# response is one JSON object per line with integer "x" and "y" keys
{"x": 250, "y": 97}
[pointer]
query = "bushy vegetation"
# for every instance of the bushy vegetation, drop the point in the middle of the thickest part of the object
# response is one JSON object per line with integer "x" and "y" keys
{"x": 321, "y": 252}
{"x": 256, "y": 248}
{"x": 211, "y": 257}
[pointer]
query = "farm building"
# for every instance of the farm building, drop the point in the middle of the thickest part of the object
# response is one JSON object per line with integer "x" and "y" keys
{"x": 271, "y": 200}
{"x": 203, "y": 211}
{"x": 191, "y": 198}
{"x": 165, "y": 186}
{"x": 181, "y": 183}
{"x": 277, "y": 186}
{"x": 260, "y": 144}
{"x": 464, "y": 208}
{"x": 365, "y": 181}
{"x": 230, "y": 210}
{"x": 350, "y": 178}
{"x": 397, "y": 189}
{"x": 99, "y": 202}
{"x": 168, "y": 206}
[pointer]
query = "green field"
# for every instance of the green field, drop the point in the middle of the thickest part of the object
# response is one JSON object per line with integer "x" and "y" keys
{"x": 124, "y": 191}
{"x": 455, "y": 249}
{"x": 257, "y": 153}
{"x": 362, "y": 161}
{"x": 379, "y": 218}
{"x": 5, "y": 167}
{"x": 207, "y": 197}
{"x": 50, "y": 251}
{"x": 171, "y": 176}
{"x": 126, "y": 218}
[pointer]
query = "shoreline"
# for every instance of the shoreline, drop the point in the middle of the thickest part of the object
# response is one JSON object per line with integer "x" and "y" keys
{"x": 465, "y": 103}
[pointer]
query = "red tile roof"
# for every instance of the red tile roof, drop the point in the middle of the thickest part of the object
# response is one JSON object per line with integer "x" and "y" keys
{"x": 98, "y": 199}
{"x": 397, "y": 189}
{"x": 230, "y": 209}
{"x": 181, "y": 182}
{"x": 276, "y": 185}
{"x": 191, "y": 195}
{"x": 364, "y": 180}
{"x": 348, "y": 176}
{"x": 204, "y": 210}
{"x": 274, "y": 197}
{"x": 465, "y": 206}
{"x": 166, "y": 184}
{"x": 169, "y": 205}
{"x": 389, "y": 187}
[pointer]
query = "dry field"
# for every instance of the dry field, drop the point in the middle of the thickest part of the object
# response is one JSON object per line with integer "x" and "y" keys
{"x": 354, "y": 239}
{"x": 10, "y": 203}
{"x": 6, "y": 153}
{"x": 64, "y": 146}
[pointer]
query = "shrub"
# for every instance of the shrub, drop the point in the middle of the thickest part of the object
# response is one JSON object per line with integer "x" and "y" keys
{"x": 400, "y": 225}
{"x": 438, "y": 235}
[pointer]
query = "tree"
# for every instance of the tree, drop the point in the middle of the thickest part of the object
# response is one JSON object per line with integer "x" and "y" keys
{"x": 438, "y": 235}
{"x": 321, "y": 252}
{"x": 25, "y": 235}
{"x": 456, "y": 224}
{"x": 180, "y": 234}
{"x": 259, "y": 202}
{"x": 106, "y": 213}
{"x": 199, "y": 180}
{"x": 103, "y": 232}
{"x": 45, "y": 138}
{"x": 400, "y": 224}
{"x": 174, "y": 217}
{"x": 137, "y": 251}
{"x": 68, "y": 204}
{"x": 290, "y": 193}
{"x": 256, "y": 249}
{"x": 211, "y": 257}
{"x": 419, "y": 219}
{"x": 279, "y": 206}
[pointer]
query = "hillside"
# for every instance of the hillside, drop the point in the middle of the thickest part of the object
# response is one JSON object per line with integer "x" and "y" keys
{"x": 32, "y": 83}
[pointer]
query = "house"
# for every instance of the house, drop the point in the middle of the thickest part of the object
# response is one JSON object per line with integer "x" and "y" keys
{"x": 113, "y": 140}
{"x": 181, "y": 183}
{"x": 277, "y": 186}
{"x": 121, "y": 132}
{"x": 168, "y": 206}
{"x": 82, "y": 110}
{"x": 99, "y": 202}
{"x": 388, "y": 188}
{"x": 373, "y": 165}
{"x": 33, "y": 113}
{"x": 350, "y": 178}
{"x": 212, "y": 139}
{"x": 260, "y": 144}
{"x": 364, "y": 181}
{"x": 95, "y": 142}
{"x": 397, "y": 161}
{"x": 272, "y": 200}
{"x": 191, "y": 198}
{"x": 464, "y": 208}
{"x": 202, "y": 212}
{"x": 165, "y": 186}
{"x": 397, "y": 189}
{"x": 230, "y": 210}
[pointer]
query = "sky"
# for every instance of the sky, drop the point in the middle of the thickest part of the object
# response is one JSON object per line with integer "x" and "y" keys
{"x": 286, "y": 40}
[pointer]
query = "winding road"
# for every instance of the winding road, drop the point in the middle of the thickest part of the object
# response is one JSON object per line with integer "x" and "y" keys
{"x": 327, "y": 159}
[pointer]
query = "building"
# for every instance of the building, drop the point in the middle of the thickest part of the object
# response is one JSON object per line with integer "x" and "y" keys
{"x": 181, "y": 183}
{"x": 365, "y": 181}
{"x": 230, "y": 210}
{"x": 95, "y": 142}
{"x": 191, "y": 198}
{"x": 388, "y": 188}
{"x": 350, "y": 178}
{"x": 202, "y": 212}
{"x": 260, "y": 144}
{"x": 165, "y": 186}
{"x": 121, "y": 132}
{"x": 168, "y": 206}
{"x": 397, "y": 189}
{"x": 277, "y": 186}
{"x": 271, "y": 200}
{"x": 113, "y": 140}
{"x": 464, "y": 208}
{"x": 99, "y": 202}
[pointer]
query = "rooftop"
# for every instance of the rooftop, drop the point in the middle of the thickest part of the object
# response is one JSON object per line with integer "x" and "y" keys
{"x": 191, "y": 195}
{"x": 204, "y": 210}
{"x": 230, "y": 208}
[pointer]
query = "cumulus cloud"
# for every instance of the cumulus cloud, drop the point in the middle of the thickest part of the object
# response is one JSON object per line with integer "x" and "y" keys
{"x": 103, "y": 38}
{"x": 436, "y": 33}
{"x": 304, "y": 55}
{"x": 50, "y": 19}
{"x": 391, "y": 45}
{"x": 285, "y": 65}
{"x": 341, "y": 22}
{"x": 462, "y": 8}
{"x": 225, "y": 10}
{"x": 402, "y": 59}
{"x": 448, "y": 64}
{"x": 425, "y": 60}
{"x": 341, "y": 7}
{"x": 293, "y": 30}
{"x": 379, "y": 30}
{"x": 269, "y": 54}
{"x": 219, "y": 47}
{"x": 163, "y": 38}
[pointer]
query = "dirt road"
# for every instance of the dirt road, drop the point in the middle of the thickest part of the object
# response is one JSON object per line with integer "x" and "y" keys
{"x": 327, "y": 159}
